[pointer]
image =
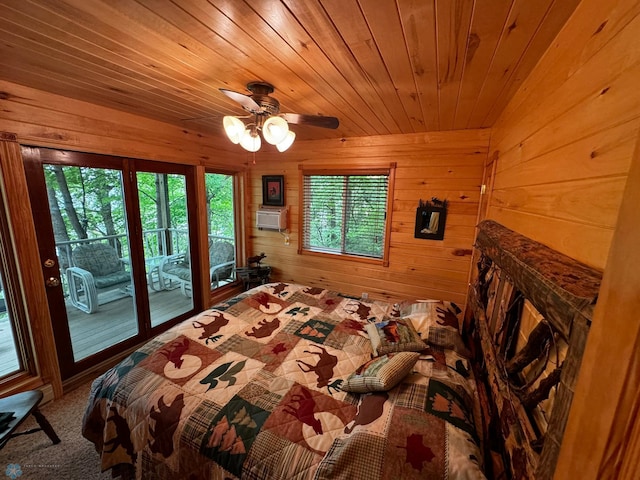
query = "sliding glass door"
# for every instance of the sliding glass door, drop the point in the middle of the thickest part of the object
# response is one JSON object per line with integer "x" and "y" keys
{"x": 162, "y": 202}
{"x": 89, "y": 219}
{"x": 115, "y": 236}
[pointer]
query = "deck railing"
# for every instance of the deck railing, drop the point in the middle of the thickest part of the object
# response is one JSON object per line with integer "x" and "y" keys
{"x": 157, "y": 242}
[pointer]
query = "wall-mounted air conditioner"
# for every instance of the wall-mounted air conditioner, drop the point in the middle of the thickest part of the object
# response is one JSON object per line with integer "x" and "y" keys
{"x": 272, "y": 218}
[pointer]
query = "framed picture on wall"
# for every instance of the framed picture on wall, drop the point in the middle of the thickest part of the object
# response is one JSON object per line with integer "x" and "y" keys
{"x": 430, "y": 219}
{"x": 273, "y": 190}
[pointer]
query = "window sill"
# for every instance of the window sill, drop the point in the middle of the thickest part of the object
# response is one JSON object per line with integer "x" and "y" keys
{"x": 346, "y": 257}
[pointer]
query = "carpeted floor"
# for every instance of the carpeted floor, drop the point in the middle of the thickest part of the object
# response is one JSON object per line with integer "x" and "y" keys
{"x": 73, "y": 458}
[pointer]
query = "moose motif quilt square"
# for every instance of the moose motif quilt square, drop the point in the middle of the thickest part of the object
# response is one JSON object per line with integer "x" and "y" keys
{"x": 309, "y": 418}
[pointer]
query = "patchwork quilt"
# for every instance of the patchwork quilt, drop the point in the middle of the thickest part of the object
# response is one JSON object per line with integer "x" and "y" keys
{"x": 252, "y": 389}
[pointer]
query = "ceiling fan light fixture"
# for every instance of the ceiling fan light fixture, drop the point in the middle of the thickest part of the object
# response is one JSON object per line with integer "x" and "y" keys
{"x": 250, "y": 140}
{"x": 287, "y": 142}
{"x": 234, "y": 128}
{"x": 267, "y": 119}
{"x": 275, "y": 129}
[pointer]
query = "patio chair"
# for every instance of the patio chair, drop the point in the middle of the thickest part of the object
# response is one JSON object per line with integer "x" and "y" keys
{"x": 97, "y": 270}
{"x": 177, "y": 268}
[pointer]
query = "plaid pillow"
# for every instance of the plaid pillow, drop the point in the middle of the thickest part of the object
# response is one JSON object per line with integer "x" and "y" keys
{"x": 381, "y": 373}
{"x": 394, "y": 336}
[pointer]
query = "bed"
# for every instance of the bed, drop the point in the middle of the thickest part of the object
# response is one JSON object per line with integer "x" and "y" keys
{"x": 528, "y": 315}
{"x": 284, "y": 381}
{"x": 293, "y": 381}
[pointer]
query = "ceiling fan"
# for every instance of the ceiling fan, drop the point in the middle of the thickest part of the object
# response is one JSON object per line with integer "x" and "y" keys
{"x": 265, "y": 111}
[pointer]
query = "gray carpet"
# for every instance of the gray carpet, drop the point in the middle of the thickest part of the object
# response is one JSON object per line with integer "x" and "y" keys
{"x": 73, "y": 458}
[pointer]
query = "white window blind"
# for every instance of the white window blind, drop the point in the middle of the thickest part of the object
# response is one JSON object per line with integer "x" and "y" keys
{"x": 345, "y": 214}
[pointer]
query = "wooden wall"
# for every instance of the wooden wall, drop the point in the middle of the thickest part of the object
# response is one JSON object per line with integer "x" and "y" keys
{"x": 447, "y": 165}
{"x": 564, "y": 143}
{"x": 562, "y": 152}
{"x": 43, "y": 119}
{"x": 47, "y": 120}
{"x": 607, "y": 446}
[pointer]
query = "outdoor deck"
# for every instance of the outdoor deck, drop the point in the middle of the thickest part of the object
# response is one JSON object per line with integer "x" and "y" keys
{"x": 112, "y": 323}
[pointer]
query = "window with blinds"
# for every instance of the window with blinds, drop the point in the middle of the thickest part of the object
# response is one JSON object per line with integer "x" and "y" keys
{"x": 345, "y": 214}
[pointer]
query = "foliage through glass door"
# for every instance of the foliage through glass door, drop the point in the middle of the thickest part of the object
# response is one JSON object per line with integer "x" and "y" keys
{"x": 88, "y": 216}
{"x": 165, "y": 231}
{"x": 89, "y": 220}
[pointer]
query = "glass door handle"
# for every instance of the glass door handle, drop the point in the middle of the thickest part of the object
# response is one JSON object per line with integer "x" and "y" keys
{"x": 52, "y": 282}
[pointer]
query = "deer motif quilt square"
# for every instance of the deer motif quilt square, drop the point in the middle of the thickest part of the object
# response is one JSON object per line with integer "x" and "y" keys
{"x": 361, "y": 311}
{"x": 210, "y": 327}
{"x": 373, "y": 414}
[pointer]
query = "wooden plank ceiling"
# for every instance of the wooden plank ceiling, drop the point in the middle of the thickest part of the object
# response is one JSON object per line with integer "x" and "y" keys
{"x": 380, "y": 66}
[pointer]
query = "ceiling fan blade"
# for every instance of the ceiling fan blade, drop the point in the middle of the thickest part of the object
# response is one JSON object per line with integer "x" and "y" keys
{"x": 312, "y": 120}
{"x": 213, "y": 116}
{"x": 246, "y": 101}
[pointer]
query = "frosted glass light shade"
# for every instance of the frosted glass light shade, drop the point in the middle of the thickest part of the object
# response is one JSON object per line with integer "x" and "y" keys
{"x": 274, "y": 130}
{"x": 234, "y": 128}
{"x": 287, "y": 142}
{"x": 250, "y": 141}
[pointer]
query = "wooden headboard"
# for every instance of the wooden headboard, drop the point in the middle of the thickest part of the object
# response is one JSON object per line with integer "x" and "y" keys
{"x": 530, "y": 308}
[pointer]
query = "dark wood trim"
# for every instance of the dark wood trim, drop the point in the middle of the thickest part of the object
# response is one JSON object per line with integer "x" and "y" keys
{"x": 33, "y": 160}
{"x": 25, "y": 252}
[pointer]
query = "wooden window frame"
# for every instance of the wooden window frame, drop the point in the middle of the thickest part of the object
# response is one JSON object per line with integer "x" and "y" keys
{"x": 377, "y": 169}
{"x": 238, "y": 207}
{"x": 15, "y": 309}
{"x": 24, "y": 278}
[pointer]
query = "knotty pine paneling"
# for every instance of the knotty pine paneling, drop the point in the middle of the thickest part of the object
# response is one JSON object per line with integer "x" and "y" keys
{"x": 563, "y": 148}
{"x": 607, "y": 446}
{"x": 564, "y": 143}
{"x": 448, "y": 165}
{"x": 47, "y": 120}
{"x": 381, "y": 67}
{"x": 44, "y": 119}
